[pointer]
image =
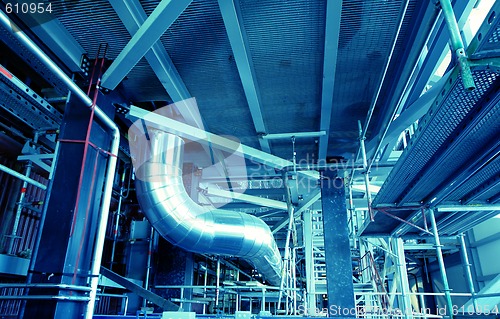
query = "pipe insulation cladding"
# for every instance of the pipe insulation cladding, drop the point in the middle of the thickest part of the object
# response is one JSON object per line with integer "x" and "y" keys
{"x": 181, "y": 221}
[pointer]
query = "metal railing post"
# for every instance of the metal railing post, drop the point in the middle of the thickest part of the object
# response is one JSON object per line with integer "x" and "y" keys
{"x": 467, "y": 269}
{"x": 442, "y": 267}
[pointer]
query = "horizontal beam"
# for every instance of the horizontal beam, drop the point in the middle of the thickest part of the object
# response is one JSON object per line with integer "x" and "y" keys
{"x": 256, "y": 200}
{"x": 133, "y": 17}
{"x": 138, "y": 290}
{"x": 55, "y": 36}
{"x": 239, "y": 44}
{"x": 22, "y": 177}
{"x": 186, "y": 131}
{"x": 150, "y": 31}
{"x": 467, "y": 208}
{"x": 282, "y": 136}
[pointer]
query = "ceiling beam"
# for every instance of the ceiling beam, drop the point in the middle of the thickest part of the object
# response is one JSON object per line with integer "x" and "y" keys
{"x": 332, "y": 34}
{"x": 256, "y": 200}
{"x": 287, "y": 136}
{"x": 57, "y": 38}
{"x": 146, "y": 36}
{"x": 239, "y": 44}
{"x": 133, "y": 16}
{"x": 167, "y": 124}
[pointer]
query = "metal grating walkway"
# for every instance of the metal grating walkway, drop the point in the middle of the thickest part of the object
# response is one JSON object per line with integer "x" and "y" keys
{"x": 411, "y": 178}
{"x": 26, "y": 105}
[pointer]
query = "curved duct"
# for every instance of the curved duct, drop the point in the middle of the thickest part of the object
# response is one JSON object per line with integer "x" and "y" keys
{"x": 172, "y": 212}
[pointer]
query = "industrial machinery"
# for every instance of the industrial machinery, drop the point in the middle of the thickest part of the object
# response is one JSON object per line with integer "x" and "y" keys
{"x": 238, "y": 158}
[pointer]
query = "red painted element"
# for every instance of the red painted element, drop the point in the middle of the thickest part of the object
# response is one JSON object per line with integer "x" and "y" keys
{"x": 5, "y": 72}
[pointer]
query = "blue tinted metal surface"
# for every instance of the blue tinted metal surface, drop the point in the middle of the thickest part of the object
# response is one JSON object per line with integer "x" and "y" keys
{"x": 442, "y": 121}
{"x": 333, "y": 14}
{"x": 147, "y": 35}
{"x": 337, "y": 248}
{"x": 239, "y": 43}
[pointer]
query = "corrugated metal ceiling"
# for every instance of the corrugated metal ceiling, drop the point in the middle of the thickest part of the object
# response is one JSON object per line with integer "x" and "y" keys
{"x": 286, "y": 42}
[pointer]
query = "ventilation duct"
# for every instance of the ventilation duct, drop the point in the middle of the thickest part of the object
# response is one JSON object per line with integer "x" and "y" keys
{"x": 180, "y": 220}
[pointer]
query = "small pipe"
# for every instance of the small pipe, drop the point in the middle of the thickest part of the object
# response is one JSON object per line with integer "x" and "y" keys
{"x": 467, "y": 268}
{"x": 333, "y": 166}
{"x": 354, "y": 219}
{"x": 263, "y": 301}
{"x": 217, "y": 285}
{"x": 205, "y": 280}
{"x": 42, "y": 297}
{"x": 365, "y": 168}
{"x": 19, "y": 209}
{"x": 117, "y": 222}
{"x": 294, "y": 279}
{"x": 457, "y": 44}
{"x": 148, "y": 266}
{"x": 384, "y": 73}
{"x": 287, "y": 242}
{"x": 22, "y": 177}
{"x": 46, "y": 286}
{"x": 442, "y": 267}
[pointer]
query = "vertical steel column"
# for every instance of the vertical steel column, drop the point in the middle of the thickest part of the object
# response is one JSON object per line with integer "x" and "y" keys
{"x": 205, "y": 281}
{"x": 294, "y": 280}
{"x": 72, "y": 236}
{"x": 310, "y": 302}
{"x": 114, "y": 139}
{"x": 457, "y": 44}
{"x": 284, "y": 274}
{"x": 217, "y": 285}
{"x": 353, "y": 218}
{"x": 263, "y": 301}
{"x": 467, "y": 269}
{"x": 442, "y": 267}
{"x": 402, "y": 272}
{"x": 338, "y": 262}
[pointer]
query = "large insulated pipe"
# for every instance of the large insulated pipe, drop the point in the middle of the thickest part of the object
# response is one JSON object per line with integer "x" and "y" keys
{"x": 180, "y": 220}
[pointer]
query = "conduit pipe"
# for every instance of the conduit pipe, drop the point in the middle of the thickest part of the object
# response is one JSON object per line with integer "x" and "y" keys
{"x": 160, "y": 190}
{"x": 22, "y": 177}
{"x": 113, "y": 152}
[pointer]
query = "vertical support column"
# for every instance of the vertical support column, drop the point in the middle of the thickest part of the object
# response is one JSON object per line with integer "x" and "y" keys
{"x": 402, "y": 273}
{"x": 69, "y": 231}
{"x": 340, "y": 287}
{"x": 439, "y": 253}
{"x": 309, "y": 260}
{"x": 467, "y": 270}
{"x": 217, "y": 286}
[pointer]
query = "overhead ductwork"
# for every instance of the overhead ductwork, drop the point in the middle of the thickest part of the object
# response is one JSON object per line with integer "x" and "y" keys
{"x": 158, "y": 158}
